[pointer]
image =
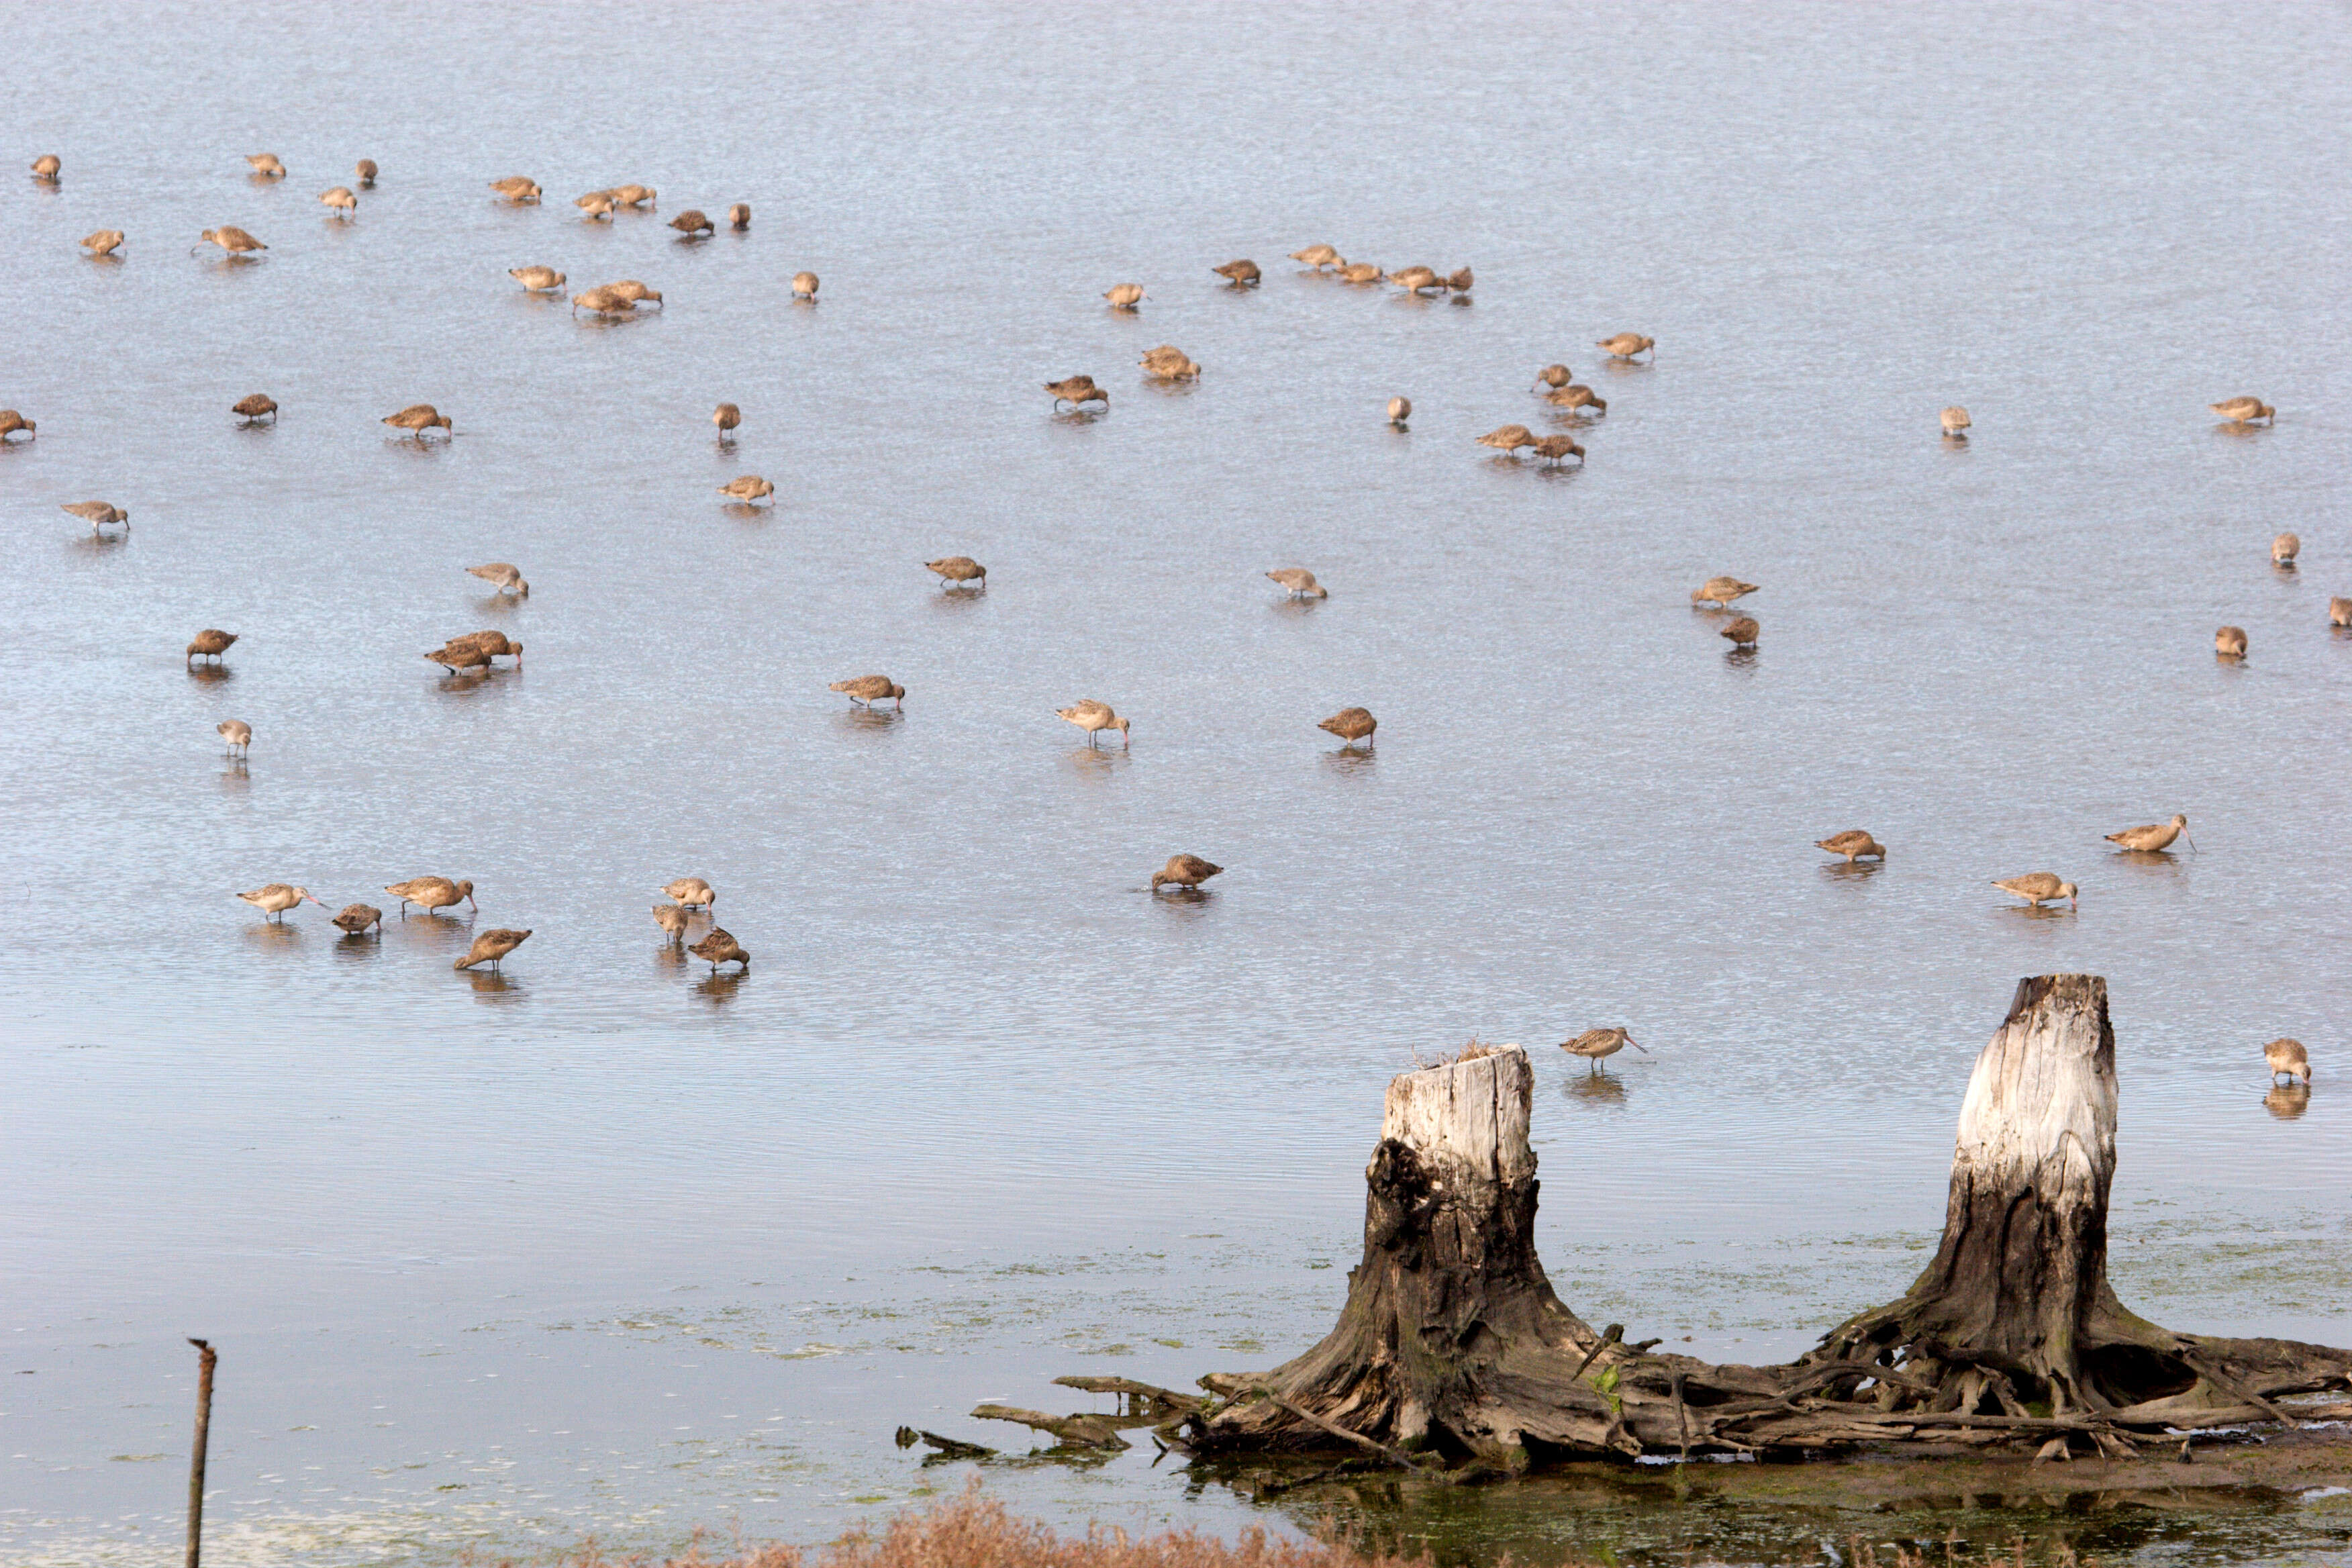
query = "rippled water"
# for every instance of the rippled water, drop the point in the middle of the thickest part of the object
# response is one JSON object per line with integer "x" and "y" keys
{"x": 612, "y": 1244}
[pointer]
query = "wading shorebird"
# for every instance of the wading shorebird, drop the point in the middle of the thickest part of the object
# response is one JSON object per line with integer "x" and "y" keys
{"x": 692, "y": 893}
{"x": 266, "y": 165}
{"x": 597, "y": 205}
{"x": 11, "y": 422}
{"x": 804, "y": 286}
{"x": 1956, "y": 423}
{"x": 633, "y": 196}
{"x": 2284, "y": 549}
{"x": 1124, "y": 296}
{"x": 1414, "y": 280}
{"x": 1742, "y": 632}
{"x": 1721, "y": 591}
{"x": 866, "y": 691}
{"x": 46, "y": 168}
{"x": 235, "y": 734}
{"x": 1168, "y": 362}
{"x": 1184, "y": 871}
{"x": 517, "y": 189}
{"x": 259, "y": 405}
{"x": 2288, "y": 1059}
{"x": 365, "y": 170}
{"x": 693, "y": 225}
{"x": 1319, "y": 257}
{"x": 1460, "y": 280}
{"x": 634, "y": 292}
{"x": 603, "y": 300}
{"x": 537, "y": 280}
{"x": 490, "y": 947}
{"x": 460, "y": 656}
{"x": 2339, "y": 613}
{"x": 2040, "y": 888}
{"x": 954, "y": 569}
{"x": 2244, "y": 410}
{"x": 1554, "y": 377}
{"x": 1625, "y": 345}
{"x": 1594, "y": 1045}
{"x": 727, "y": 416}
{"x": 1853, "y": 841}
{"x": 101, "y": 515}
{"x": 417, "y": 419}
{"x": 1358, "y": 273}
{"x": 2229, "y": 642}
{"x": 1510, "y": 439}
{"x": 738, "y": 216}
{"x": 749, "y": 489}
{"x": 1075, "y": 390}
{"x": 1556, "y": 449}
{"x": 1241, "y": 274}
{"x": 356, "y": 919}
{"x": 230, "y": 238}
{"x": 1352, "y": 725}
{"x": 1578, "y": 396}
{"x": 1299, "y": 582}
{"x": 672, "y": 919}
{"x": 105, "y": 242}
{"x": 1400, "y": 411}
{"x": 277, "y": 898}
{"x": 503, "y": 573}
{"x": 2155, "y": 837}
{"x": 719, "y": 948}
{"x": 492, "y": 644}
{"x": 1094, "y": 718}
{"x": 432, "y": 893}
{"x": 210, "y": 643}
{"x": 341, "y": 200}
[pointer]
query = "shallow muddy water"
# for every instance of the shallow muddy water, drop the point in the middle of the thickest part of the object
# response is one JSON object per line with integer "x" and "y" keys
{"x": 612, "y": 1244}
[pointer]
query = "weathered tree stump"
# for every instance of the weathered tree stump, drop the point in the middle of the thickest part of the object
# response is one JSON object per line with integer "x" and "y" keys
{"x": 1453, "y": 1346}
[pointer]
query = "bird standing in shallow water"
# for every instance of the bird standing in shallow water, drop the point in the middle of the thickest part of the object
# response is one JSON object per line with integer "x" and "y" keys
{"x": 365, "y": 171}
{"x": 515, "y": 188}
{"x": 2244, "y": 410}
{"x": 1240, "y": 274}
{"x": 341, "y": 200}
{"x": 954, "y": 569}
{"x": 357, "y": 918}
{"x": 1184, "y": 871}
{"x": 1575, "y": 397}
{"x": 1169, "y": 362}
{"x": 692, "y": 224}
{"x": 236, "y": 733}
{"x": 1400, "y": 411}
{"x": 1352, "y": 725}
{"x": 1554, "y": 448}
{"x": 719, "y": 948}
{"x": 105, "y": 242}
{"x": 866, "y": 691}
{"x": 2284, "y": 549}
{"x": 1094, "y": 718}
{"x": 1593, "y": 1045}
{"x": 211, "y": 644}
{"x": 1075, "y": 390}
{"x": 749, "y": 488}
{"x": 1299, "y": 582}
{"x": 503, "y": 574}
{"x": 432, "y": 893}
{"x": 1720, "y": 592}
{"x": 2229, "y": 642}
{"x": 727, "y": 416}
{"x": 1510, "y": 439}
{"x": 417, "y": 419}
{"x": 2039, "y": 888}
{"x": 692, "y": 893}
{"x": 46, "y": 168}
{"x": 1625, "y": 345}
{"x": 2155, "y": 837}
{"x": 1956, "y": 423}
{"x": 1124, "y": 296}
{"x": 1853, "y": 841}
{"x": 266, "y": 165}
{"x": 277, "y": 898}
{"x": 537, "y": 280}
{"x": 1554, "y": 377}
{"x": 804, "y": 287}
{"x": 259, "y": 405}
{"x": 738, "y": 216}
{"x": 490, "y": 947}
{"x": 234, "y": 240}
{"x": 2339, "y": 613}
{"x": 2287, "y": 1059}
{"x": 99, "y": 514}
{"x": 1742, "y": 632}
{"x": 1319, "y": 257}
{"x": 11, "y": 422}
{"x": 672, "y": 919}
{"x": 1358, "y": 273}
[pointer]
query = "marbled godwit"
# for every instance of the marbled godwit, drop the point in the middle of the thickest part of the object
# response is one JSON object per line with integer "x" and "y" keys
{"x": 804, "y": 286}
{"x": 749, "y": 488}
{"x": 953, "y": 569}
{"x": 210, "y": 643}
{"x": 2287, "y": 1059}
{"x": 2155, "y": 837}
{"x": 1554, "y": 448}
{"x": 1721, "y": 591}
{"x": 341, "y": 200}
{"x": 692, "y": 224}
{"x": 636, "y": 293}
{"x": 864, "y": 690}
{"x": 366, "y": 173}
{"x": 633, "y": 196}
{"x": 727, "y": 416}
{"x": 1351, "y": 724}
{"x": 596, "y": 204}
{"x": 692, "y": 893}
{"x": 515, "y": 188}
{"x": 99, "y": 514}
{"x": 2244, "y": 410}
{"x": 719, "y": 948}
{"x": 1578, "y": 396}
{"x": 1552, "y": 376}
{"x": 2339, "y": 612}
{"x": 1124, "y": 296}
{"x": 1955, "y": 422}
{"x": 1094, "y": 718}
{"x": 417, "y": 419}
{"x": 1358, "y": 273}
{"x": 1460, "y": 280}
{"x": 1510, "y": 439}
{"x": 537, "y": 280}
{"x": 1593, "y": 1045}
{"x": 1742, "y": 631}
{"x": 1625, "y": 345}
{"x": 1413, "y": 279}
{"x": 673, "y": 920}
{"x": 105, "y": 242}
{"x": 1298, "y": 582}
{"x": 266, "y": 165}
{"x": 277, "y": 898}
{"x": 1075, "y": 390}
{"x": 431, "y": 893}
{"x": 2039, "y": 888}
{"x": 603, "y": 300}
{"x": 738, "y": 216}
{"x": 257, "y": 406}
{"x": 1184, "y": 871}
{"x": 493, "y": 644}
{"x": 235, "y": 734}
{"x": 1400, "y": 411}
{"x": 2284, "y": 549}
{"x": 357, "y": 918}
{"x": 46, "y": 168}
{"x": 2229, "y": 642}
{"x": 1319, "y": 257}
{"x": 491, "y": 946}
{"x": 1239, "y": 274}
{"x": 234, "y": 240}
{"x": 1853, "y": 841}
{"x": 1168, "y": 362}
{"x": 11, "y": 422}
{"x": 503, "y": 574}
{"x": 460, "y": 656}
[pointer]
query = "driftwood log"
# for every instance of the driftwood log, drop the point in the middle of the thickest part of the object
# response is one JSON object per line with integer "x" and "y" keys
{"x": 1453, "y": 1353}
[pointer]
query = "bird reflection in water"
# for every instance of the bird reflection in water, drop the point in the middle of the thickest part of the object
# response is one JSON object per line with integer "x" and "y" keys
{"x": 491, "y": 986}
{"x": 1742, "y": 658}
{"x": 719, "y": 989}
{"x": 358, "y": 945}
{"x": 282, "y": 934}
{"x": 1099, "y": 762}
{"x": 464, "y": 680}
{"x": 1350, "y": 761}
{"x": 669, "y": 958}
{"x": 2287, "y": 1100}
{"x": 868, "y": 720}
{"x": 211, "y": 674}
{"x": 1852, "y": 871}
{"x": 1595, "y": 1089}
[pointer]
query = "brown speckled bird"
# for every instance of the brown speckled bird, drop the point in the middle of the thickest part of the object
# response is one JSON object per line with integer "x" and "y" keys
{"x": 490, "y": 947}
{"x": 1184, "y": 871}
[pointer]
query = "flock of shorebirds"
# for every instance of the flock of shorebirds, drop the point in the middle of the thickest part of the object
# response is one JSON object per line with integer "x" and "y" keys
{"x": 1555, "y": 382}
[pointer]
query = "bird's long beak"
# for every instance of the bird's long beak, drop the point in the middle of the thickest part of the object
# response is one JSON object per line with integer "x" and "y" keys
{"x": 2192, "y": 843}
{"x": 309, "y": 899}
{"x": 1637, "y": 1044}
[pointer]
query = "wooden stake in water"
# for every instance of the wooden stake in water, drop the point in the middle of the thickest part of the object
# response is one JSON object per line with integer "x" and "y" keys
{"x": 207, "y": 1357}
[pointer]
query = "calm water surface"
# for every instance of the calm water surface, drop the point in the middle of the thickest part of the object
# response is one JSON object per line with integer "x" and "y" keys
{"x": 609, "y": 1245}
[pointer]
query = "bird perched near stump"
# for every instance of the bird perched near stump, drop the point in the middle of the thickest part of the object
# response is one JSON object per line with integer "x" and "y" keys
{"x": 1853, "y": 841}
{"x": 1593, "y": 1045}
{"x": 490, "y": 947}
{"x": 1184, "y": 871}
